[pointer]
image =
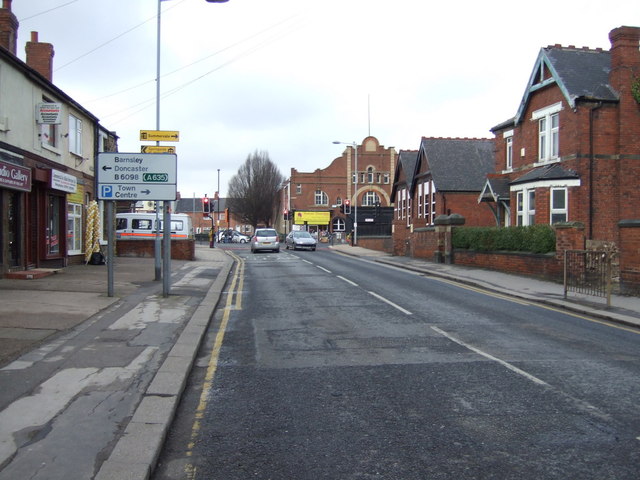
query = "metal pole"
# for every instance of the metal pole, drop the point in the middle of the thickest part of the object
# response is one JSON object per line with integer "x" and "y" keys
{"x": 157, "y": 246}
{"x": 110, "y": 249}
{"x": 355, "y": 208}
{"x": 166, "y": 278}
{"x": 218, "y": 201}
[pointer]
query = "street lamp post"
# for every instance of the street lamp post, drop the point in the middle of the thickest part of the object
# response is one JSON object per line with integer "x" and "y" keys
{"x": 355, "y": 186}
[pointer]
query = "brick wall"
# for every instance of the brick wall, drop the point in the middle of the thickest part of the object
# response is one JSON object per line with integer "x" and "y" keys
{"x": 180, "y": 249}
{"x": 630, "y": 257}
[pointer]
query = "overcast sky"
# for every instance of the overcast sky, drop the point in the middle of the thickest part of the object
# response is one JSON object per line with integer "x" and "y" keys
{"x": 290, "y": 76}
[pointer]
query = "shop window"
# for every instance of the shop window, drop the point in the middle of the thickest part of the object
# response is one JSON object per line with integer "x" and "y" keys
{"x": 53, "y": 230}
{"x": 74, "y": 229}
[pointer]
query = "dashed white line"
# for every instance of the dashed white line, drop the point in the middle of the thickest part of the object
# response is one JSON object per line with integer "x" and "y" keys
{"x": 323, "y": 269}
{"x": 379, "y": 297}
{"x": 347, "y": 280}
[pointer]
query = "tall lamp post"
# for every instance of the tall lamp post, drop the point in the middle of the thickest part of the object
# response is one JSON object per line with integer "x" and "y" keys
{"x": 166, "y": 214}
{"x": 355, "y": 186}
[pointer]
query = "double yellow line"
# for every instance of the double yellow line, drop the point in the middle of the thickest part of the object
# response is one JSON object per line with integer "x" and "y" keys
{"x": 234, "y": 293}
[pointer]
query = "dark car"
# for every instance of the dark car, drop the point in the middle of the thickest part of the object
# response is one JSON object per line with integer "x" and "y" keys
{"x": 300, "y": 239}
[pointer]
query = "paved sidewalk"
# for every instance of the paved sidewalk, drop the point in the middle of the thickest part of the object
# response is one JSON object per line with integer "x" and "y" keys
{"x": 624, "y": 309}
{"x": 89, "y": 383}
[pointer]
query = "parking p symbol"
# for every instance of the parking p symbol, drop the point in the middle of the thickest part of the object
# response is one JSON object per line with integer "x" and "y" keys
{"x": 107, "y": 191}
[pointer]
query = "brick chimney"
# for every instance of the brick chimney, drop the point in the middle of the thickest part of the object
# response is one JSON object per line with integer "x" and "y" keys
{"x": 625, "y": 57}
{"x": 8, "y": 27}
{"x": 40, "y": 56}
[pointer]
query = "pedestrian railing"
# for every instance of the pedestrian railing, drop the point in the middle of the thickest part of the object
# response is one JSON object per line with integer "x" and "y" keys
{"x": 588, "y": 272}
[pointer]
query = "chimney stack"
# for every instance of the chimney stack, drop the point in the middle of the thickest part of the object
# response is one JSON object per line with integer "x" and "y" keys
{"x": 8, "y": 27}
{"x": 40, "y": 56}
{"x": 625, "y": 57}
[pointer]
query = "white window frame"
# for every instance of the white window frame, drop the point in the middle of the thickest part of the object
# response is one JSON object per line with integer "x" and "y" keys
{"x": 508, "y": 141}
{"x": 420, "y": 199}
{"x": 385, "y": 178}
{"x": 298, "y": 188}
{"x": 321, "y": 198}
{"x": 74, "y": 228}
{"x": 370, "y": 198}
{"x": 525, "y": 207}
{"x": 554, "y": 209}
{"x": 548, "y": 119}
{"x": 75, "y": 135}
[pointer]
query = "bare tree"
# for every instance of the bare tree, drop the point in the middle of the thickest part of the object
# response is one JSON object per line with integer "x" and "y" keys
{"x": 253, "y": 191}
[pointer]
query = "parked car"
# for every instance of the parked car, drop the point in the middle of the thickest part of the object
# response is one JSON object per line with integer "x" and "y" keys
{"x": 265, "y": 239}
{"x": 237, "y": 237}
{"x": 300, "y": 239}
{"x": 232, "y": 236}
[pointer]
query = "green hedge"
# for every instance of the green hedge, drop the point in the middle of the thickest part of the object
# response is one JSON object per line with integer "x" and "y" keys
{"x": 532, "y": 239}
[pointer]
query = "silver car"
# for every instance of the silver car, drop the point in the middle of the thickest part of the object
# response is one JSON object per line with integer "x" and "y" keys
{"x": 300, "y": 239}
{"x": 265, "y": 239}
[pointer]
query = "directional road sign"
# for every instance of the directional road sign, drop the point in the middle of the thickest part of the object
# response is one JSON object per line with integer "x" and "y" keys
{"x": 137, "y": 176}
{"x": 160, "y": 135}
{"x": 157, "y": 149}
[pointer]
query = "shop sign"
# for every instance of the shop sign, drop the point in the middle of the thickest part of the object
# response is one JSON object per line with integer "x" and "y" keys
{"x": 64, "y": 181}
{"x": 312, "y": 218}
{"x": 15, "y": 177}
{"x": 49, "y": 113}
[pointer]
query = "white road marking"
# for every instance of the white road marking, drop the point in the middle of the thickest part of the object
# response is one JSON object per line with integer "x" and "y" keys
{"x": 323, "y": 269}
{"x": 513, "y": 368}
{"x": 347, "y": 280}
{"x": 379, "y": 297}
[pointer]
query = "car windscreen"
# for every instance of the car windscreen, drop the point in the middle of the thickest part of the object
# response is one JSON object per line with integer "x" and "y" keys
{"x": 266, "y": 233}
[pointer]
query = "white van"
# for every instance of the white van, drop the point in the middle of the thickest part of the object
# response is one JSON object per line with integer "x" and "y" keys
{"x": 141, "y": 226}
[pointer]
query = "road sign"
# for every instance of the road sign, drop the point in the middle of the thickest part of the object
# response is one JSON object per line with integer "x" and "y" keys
{"x": 157, "y": 149}
{"x": 137, "y": 176}
{"x": 130, "y": 191}
{"x": 160, "y": 135}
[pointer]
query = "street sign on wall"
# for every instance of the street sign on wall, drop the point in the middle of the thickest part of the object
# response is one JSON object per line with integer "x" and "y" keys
{"x": 137, "y": 176}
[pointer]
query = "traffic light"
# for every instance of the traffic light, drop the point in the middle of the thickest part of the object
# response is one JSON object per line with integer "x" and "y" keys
{"x": 285, "y": 215}
{"x": 347, "y": 207}
{"x": 206, "y": 205}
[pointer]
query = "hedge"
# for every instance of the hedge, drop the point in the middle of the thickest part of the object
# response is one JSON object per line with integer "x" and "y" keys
{"x": 531, "y": 239}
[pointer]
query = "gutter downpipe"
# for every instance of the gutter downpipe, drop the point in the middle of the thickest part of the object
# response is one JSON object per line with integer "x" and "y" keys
{"x": 591, "y": 160}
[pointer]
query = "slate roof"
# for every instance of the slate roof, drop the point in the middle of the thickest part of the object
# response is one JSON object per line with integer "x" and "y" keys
{"x": 457, "y": 164}
{"x": 549, "y": 172}
{"x": 407, "y": 163}
{"x": 580, "y": 73}
{"x": 495, "y": 189}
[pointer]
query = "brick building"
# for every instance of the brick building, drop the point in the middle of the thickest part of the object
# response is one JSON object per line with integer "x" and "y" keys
{"x": 314, "y": 199}
{"x": 572, "y": 151}
{"x": 443, "y": 177}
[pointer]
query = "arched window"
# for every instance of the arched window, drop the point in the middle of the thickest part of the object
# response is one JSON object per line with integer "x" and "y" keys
{"x": 339, "y": 201}
{"x": 321, "y": 198}
{"x": 370, "y": 199}
{"x": 338, "y": 225}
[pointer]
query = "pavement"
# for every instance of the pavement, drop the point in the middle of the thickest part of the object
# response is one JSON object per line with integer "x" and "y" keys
{"x": 66, "y": 317}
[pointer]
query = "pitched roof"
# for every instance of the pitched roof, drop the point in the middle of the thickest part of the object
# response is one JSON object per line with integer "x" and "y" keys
{"x": 580, "y": 73}
{"x": 457, "y": 164}
{"x": 496, "y": 188}
{"x": 407, "y": 164}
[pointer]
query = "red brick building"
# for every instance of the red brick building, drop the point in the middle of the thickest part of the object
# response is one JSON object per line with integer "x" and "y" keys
{"x": 572, "y": 151}
{"x": 444, "y": 177}
{"x": 314, "y": 199}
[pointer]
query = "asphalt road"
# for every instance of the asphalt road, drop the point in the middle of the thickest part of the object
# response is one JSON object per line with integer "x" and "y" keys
{"x": 321, "y": 366}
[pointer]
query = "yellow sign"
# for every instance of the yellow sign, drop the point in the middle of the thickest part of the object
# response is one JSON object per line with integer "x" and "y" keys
{"x": 160, "y": 135}
{"x": 312, "y": 218}
{"x": 157, "y": 149}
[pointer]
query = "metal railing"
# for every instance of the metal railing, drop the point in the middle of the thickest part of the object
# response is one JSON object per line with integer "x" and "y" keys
{"x": 588, "y": 272}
